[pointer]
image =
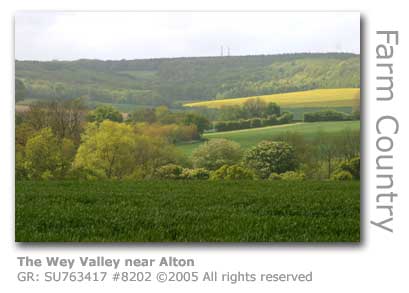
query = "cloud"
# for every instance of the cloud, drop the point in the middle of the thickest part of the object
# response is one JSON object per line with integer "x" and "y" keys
{"x": 132, "y": 35}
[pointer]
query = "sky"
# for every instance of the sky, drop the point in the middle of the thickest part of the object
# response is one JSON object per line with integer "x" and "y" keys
{"x": 141, "y": 35}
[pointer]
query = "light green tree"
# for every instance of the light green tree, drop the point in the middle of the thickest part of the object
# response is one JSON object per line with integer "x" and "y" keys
{"x": 116, "y": 151}
{"x": 46, "y": 157}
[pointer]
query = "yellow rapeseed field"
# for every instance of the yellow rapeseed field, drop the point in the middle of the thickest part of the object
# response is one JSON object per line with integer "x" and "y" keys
{"x": 342, "y": 97}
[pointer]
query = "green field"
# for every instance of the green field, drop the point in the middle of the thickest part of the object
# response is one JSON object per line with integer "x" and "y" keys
{"x": 250, "y": 137}
{"x": 188, "y": 211}
{"x": 341, "y": 97}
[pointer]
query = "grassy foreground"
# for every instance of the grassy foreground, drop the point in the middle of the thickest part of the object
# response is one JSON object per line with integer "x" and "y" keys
{"x": 188, "y": 211}
{"x": 250, "y": 137}
{"x": 342, "y": 97}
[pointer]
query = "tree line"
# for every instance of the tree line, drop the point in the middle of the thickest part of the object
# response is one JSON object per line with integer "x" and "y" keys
{"x": 62, "y": 140}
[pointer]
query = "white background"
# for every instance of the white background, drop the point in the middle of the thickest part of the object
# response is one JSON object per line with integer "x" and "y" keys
{"x": 378, "y": 264}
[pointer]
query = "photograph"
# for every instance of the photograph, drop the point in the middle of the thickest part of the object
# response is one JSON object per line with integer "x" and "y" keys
{"x": 187, "y": 127}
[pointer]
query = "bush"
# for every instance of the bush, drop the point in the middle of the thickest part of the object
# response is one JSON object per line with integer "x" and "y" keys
{"x": 234, "y": 172}
{"x": 292, "y": 175}
{"x": 271, "y": 156}
{"x": 216, "y": 153}
{"x": 141, "y": 173}
{"x": 255, "y": 122}
{"x": 220, "y": 126}
{"x": 352, "y": 166}
{"x": 285, "y": 118}
{"x": 85, "y": 174}
{"x": 198, "y": 173}
{"x": 326, "y": 115}
{"x": 219, "y": 173}
{"x": 342, "y": 176}
{"x": 170, "y": 171}
{"x": 272, "y": 120}
{"x": 244, "y": 124}
{"x": 274, "y": 176}
{"x": 237, "y": 172}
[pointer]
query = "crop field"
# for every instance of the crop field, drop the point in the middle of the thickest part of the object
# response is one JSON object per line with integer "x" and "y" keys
{"x": 188, "y": 211}
{"x": 326, "y": 98}
{"x": 250, "y": 137}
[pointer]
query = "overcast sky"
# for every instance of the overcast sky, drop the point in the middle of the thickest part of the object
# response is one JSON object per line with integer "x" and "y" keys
{"x": 136, "y": 35}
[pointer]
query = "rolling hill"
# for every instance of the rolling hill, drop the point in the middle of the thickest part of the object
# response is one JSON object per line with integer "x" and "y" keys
{"x": 176, "y": 81}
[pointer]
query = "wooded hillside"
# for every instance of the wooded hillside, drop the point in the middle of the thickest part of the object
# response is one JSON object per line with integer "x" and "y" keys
{"x": 177, "y": 80}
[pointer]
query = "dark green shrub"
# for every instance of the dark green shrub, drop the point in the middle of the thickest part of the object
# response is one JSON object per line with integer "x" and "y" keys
{"x": 220, "y": 126}
{"x": 103, "y": 112}
{"x": 326, "y": 115}
{"x": 245, "y": 123}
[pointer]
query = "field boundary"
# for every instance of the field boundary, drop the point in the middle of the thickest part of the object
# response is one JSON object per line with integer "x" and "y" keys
{"x": 254, "y": 129}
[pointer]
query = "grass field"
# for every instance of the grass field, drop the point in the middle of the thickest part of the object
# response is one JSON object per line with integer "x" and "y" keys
{"x": 188, "y": 211}
{"x": 250, "y": 137}
{"x": 327, "y": 98}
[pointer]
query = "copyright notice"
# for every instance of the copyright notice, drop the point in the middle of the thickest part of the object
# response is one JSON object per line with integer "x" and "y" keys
{"x": 117, "y": 270}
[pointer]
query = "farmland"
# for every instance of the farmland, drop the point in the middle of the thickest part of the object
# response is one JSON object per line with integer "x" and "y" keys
{"x": 104, "y": 149}
{"x": 341, "y": 97}
{"x": 188, "y": 211}
{"x": 250, "y": 137}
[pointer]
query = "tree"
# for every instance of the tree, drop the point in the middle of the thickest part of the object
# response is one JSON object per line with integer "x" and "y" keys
{"x": 271, "y": 157}
{"x": 254, "y": 107}
{"x": 103, "y": 112}
{"x": 216, "y": 153}
{"x": 20, "y": 91}
{"x": 348, "y": 142}
{"x": 161, "y": 112}
{"x": 65, "y": 118}
{"x": 327, "y": 149}
{"x": 143, "y": 115}
{"x": 46, "y": 156}
{"x": 304, "y": 151}
{"x": 201, "y": 122}
{"x": 272, "y": 109}
{"x": 115, "y": 150}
